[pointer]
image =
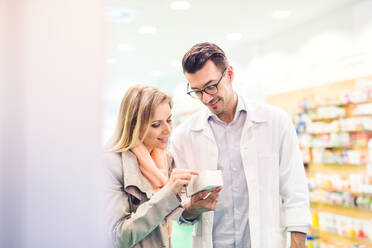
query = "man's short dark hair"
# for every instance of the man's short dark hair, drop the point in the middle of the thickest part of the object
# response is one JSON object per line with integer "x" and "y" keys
{"x": 200, "y": 53}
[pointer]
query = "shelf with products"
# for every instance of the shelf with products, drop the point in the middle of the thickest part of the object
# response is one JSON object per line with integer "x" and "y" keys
{"x": 337, "y": 104}
{"x": 349, "y": 225}
{"x": 349, "y": 211}
{"x": 335, "y": 156}
{"x": 337, "y": 147}
{"x": 355, "y": 123}
{"x": 339, "y": 241}
{"x": 334, "y": 126}
{"x": 341, "y": 132}
{"x": 365, "y": 99}
{"x": 329, "y": 119}
{"x": 341, "y": 169}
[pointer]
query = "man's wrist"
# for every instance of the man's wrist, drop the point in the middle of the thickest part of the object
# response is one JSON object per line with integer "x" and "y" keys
{"x": 298, "y": 240}
{"x": 188, "y": 215}
{"x": 302, "y": 229}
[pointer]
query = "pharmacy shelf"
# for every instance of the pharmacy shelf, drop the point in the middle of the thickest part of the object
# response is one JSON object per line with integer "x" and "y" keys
{"x": 341, "y": 190}
{"x": 337, "y": 147}
{"x": 327, "y": 119}
{"x": 339, "y": 118}
{"x": 341, "y": 210}
{"x": 328, "y": 237}
{"x": 335, "y": 168}
{"x": 339, "y": 132}
{"x": 290, "y": 102}
{"x": 337, "y": 105}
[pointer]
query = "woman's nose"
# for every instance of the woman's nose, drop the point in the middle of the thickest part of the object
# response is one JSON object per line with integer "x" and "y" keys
{"x": 168, "y": 128}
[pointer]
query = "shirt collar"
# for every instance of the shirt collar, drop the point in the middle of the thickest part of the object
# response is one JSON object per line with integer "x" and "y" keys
{"x": 253, "y": 115}
{"x": 239, "y": 108}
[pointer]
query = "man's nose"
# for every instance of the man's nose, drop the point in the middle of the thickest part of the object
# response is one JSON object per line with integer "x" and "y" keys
{"x": 206, "y": 98}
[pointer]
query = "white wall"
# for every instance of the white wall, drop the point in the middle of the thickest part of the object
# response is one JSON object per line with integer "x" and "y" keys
{"x": 333, "y": 47}
{"x": 50, "y": 111}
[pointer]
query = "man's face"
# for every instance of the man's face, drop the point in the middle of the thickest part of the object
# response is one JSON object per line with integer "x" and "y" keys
{"x": 209, "y": 74}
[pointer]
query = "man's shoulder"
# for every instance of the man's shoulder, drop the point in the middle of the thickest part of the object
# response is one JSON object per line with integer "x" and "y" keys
{"x": 265, "y": 111}
{"x": 192, "y": 120}
{"x": 186, "y": 127}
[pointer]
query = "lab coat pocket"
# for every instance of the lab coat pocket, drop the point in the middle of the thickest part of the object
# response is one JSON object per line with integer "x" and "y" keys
{"x": 278, "y": 237}
{"x": 269, "y": 186}
{"x": 269, "y": 168}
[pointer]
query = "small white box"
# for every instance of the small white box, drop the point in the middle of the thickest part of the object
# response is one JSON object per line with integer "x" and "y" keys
{"x": 206, "y": 180}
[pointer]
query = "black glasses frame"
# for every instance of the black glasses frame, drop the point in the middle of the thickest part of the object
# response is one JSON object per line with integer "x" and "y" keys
{"x": 210, "y": 89}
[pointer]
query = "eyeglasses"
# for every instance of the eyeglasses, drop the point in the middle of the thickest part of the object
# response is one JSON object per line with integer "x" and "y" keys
{"x": 210, "y": 89}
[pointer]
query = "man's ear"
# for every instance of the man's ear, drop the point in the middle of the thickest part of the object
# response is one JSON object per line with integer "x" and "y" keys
{"x": 230, "y": 72}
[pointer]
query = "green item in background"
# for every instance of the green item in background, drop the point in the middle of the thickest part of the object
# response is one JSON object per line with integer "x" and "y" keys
{"x": 181, "y": 235}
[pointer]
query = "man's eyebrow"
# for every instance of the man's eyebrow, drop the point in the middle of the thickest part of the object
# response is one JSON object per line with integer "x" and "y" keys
{"x": 204, "y": 85}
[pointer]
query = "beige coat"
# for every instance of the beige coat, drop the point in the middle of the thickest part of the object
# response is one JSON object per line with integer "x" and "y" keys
{"x": 137, "y": 216}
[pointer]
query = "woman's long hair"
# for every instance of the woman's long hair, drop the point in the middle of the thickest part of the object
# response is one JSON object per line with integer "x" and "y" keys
{"x": 135, "y": 117}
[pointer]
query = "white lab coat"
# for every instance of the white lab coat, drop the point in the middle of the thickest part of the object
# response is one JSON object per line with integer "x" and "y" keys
{"x": 277, "y": 186}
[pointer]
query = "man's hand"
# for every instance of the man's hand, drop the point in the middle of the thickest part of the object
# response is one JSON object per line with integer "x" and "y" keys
{"x": 202, "y": 202}
{"x": 298, "y": 240}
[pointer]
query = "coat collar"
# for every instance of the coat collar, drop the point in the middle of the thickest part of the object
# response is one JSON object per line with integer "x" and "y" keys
{"x": 253, "y": 116}
{"x": 133, "y": 175}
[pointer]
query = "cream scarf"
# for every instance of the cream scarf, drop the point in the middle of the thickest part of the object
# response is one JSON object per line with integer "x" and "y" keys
{"x": 154, "y": 167}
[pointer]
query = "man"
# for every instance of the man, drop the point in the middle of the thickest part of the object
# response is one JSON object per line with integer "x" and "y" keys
{"x": 265, "y": 191}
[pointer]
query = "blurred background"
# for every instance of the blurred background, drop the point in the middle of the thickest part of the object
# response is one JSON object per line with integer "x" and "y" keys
{"x": 274, "y": 46}
{"x": 65, "y": 66}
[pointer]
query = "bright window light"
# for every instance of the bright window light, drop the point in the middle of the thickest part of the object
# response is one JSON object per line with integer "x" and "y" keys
{"x": 180, "y": 5}
{"x": 175, "y": 63}
{"x": 111, "y": 61}
{"x": 281, "y": 14}
{"x": 124, "y": 47}
{"x": 234, "y": 36}
{"x": 147, "y": 30}
{"x": 156, "y": 73}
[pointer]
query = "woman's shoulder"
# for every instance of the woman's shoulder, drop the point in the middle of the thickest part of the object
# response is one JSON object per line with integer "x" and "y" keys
{"x": 112, "y": 162}
{"x": 117, "y": 157}
{"x": 110, "y": 157}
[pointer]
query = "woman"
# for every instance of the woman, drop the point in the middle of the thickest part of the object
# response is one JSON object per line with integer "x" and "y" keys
{"x": 143, "y": 186}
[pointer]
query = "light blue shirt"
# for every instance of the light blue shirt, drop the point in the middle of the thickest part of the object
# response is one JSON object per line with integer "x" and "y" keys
{"x": 231, "y": 221}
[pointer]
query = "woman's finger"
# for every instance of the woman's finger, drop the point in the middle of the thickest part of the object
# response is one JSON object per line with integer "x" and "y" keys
{"x": 183, "y": 176}
{"x": 178, "y": 171}
{"x": 182, "y": 182}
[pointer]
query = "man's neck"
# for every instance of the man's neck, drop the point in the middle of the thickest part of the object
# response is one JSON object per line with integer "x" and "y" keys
{"x": 228, "y": 116}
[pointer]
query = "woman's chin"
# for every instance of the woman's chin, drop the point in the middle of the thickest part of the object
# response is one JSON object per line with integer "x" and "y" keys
{"x": 162, "y": 146}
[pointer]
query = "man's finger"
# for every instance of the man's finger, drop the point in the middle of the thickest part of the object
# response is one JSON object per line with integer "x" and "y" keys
{"x": 218, "y": 189}
{"x": 201, "y": 195}
{"x": 207, "y": 195}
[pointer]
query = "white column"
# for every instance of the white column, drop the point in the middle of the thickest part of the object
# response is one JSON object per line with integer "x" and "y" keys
{"x": 51, "y": 80}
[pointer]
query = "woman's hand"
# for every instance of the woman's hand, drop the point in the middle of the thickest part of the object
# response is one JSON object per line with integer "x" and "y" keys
{"x": 180, "y": 178}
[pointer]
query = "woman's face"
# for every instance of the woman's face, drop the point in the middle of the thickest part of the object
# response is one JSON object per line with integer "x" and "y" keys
{"x": 160, "y": 128}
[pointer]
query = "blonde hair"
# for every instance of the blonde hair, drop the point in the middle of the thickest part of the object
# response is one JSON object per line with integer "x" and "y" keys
{"x": 135, "y": 116}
